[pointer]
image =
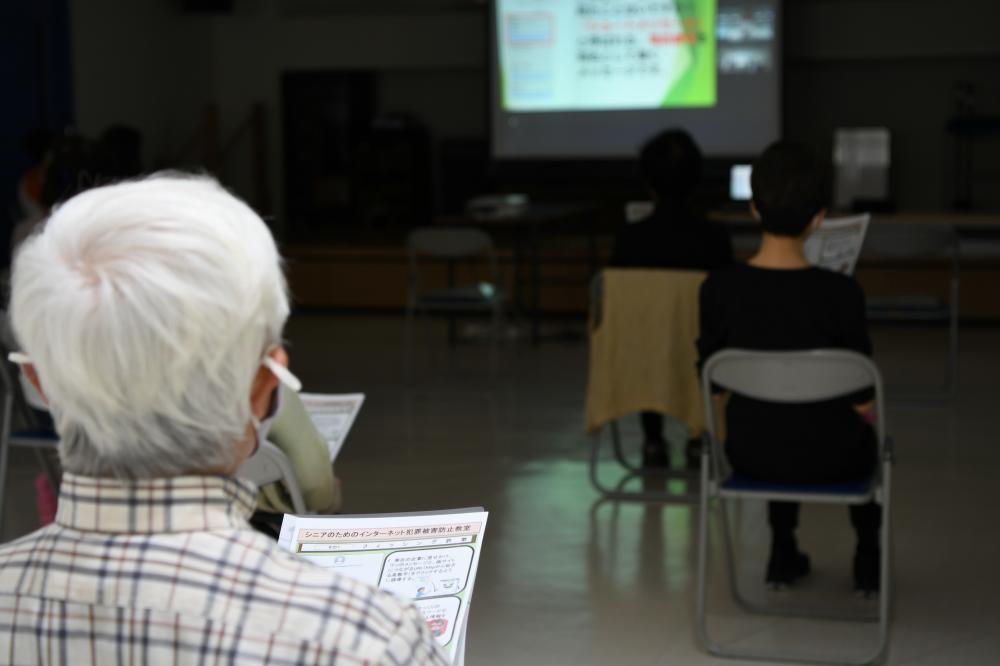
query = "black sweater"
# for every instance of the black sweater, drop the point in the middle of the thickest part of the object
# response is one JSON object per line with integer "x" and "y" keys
{"x": 672, "y": 237}
{"x": 781, "y": 310}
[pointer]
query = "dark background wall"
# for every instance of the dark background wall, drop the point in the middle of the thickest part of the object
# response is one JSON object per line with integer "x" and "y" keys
{"x": 893, "y": 63}
{"x": 36, "y": 80}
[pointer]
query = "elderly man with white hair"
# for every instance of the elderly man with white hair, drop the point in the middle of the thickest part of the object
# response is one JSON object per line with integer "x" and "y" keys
{"x": 150, "y": 314}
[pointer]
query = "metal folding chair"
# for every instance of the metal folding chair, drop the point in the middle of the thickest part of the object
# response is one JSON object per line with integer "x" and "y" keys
{"x": 453, "y": 245}
{"x": 788, "y": 377}
{"x": 269, "y": 464}
{"x": 628, "y": 471}
{"x": 33, "y": 434}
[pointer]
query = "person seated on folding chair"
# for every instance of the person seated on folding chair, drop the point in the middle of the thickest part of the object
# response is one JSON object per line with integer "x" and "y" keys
{"x": 778, "y": 302}
{"x": 675, "y": 235}
{"x": 294, "y": 433}
{"x": 151, "y": 315}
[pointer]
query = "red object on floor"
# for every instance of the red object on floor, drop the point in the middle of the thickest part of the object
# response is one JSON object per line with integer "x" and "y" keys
{"x": 45, "y": 499}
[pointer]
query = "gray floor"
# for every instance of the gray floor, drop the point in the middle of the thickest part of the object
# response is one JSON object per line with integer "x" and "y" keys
{"x": 567, "y": 580}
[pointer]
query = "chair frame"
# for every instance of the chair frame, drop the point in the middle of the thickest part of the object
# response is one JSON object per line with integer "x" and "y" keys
{"x": 631, "y": 471}
{"x": 34, "y": 437}
{"x": 465, "y": 243}
{"x": 856, "y": 372}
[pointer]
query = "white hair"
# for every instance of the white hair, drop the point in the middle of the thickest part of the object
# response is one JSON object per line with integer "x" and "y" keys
{"x": 146, "y": 308}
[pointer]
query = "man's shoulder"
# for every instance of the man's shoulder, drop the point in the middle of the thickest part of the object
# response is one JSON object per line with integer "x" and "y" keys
{"x": 837, "y": 282}
{"x": 319, "y": 604}
{"x": 231, "y": 578}
{"x": 276, "y": 571}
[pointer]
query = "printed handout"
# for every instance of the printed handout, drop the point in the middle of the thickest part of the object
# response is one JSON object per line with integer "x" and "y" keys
{"x": 428, "y": 558}
{"x": 333, "y": 415}
{"x": 836, "y": 245}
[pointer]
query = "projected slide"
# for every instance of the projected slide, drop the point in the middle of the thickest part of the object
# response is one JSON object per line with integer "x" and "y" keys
{"x": 597, "y": 78}
{"x": 588, "y": 55}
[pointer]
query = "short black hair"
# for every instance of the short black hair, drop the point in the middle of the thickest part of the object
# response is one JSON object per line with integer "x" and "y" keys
{"x": 790, "y": 186}
{"x": 670, "y": 164}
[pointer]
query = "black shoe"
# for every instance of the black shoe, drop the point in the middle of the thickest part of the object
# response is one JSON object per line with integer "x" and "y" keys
{"x": 786, "y": 566}
{"x": 867, "y": 572}
{"x": 654, "y": 455}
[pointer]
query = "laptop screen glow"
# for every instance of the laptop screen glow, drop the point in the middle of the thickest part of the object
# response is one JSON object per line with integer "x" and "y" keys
{"x": 739, "y": 182}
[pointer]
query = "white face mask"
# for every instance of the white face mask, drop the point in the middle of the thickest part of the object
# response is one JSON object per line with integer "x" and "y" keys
{"x": 261, "y": 426}
{"x": 287, "y": 381}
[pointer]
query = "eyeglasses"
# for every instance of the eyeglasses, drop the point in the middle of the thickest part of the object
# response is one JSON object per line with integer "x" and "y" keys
{"x": 283, "y": 374}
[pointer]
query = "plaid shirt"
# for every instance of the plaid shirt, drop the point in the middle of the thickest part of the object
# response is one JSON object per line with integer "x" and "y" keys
{"x": 167, "y": 571}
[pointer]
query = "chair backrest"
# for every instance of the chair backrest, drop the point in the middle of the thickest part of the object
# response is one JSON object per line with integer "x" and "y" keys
{"x": 643, "y": 327}
{"x": 449, "y": 242}
{"x": 791, "y": 377}
{"x": 270, "y": 465}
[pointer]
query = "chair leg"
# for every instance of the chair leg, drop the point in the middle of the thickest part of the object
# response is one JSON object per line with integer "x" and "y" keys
{"x": 718, "y": 649}
{"x": 701, "y": 610}
{"x": 730, "y": 554}
{"x": 701, "y": 600}
{"x": 755, "y": 608}
{"x": 619, "y": 494}
{"x": 616, "y": 440}
{"x": 619, "y": 450}
{"x": 4, "y": 451}
{"x": 885, "y": 583}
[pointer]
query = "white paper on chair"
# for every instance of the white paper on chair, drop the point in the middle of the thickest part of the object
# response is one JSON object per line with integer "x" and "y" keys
{"x": 333, "y": 415}
{"x": 836, "y": 245}
{"x": 429, "y": 558}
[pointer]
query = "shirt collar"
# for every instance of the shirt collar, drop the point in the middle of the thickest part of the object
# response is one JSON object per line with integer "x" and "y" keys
{"x": 179, "y": 504}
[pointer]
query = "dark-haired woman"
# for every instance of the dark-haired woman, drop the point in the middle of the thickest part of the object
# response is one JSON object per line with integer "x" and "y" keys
{"x": 675, "y": 235}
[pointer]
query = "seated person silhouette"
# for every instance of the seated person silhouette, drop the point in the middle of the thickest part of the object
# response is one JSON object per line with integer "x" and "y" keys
{"x": 777, "y": 301}
{"x": 151, "y": 315}
{"x": 675, "y": 235}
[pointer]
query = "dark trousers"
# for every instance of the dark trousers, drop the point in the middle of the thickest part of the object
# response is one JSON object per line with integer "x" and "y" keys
{"x": 784, "y": 518}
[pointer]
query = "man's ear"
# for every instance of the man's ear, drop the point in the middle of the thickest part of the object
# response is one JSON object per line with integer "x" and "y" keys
{"x": 754, "y": 212}
{"x": 264, "y": 384}
{"x": 29, "y": 371}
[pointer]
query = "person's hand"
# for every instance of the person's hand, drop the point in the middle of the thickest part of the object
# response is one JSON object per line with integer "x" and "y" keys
{"x": 865, "y": 407}
{"x": 866, "y": 411}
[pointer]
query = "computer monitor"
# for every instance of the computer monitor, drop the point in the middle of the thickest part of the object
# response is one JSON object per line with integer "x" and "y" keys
{"x": 739, "y": 182}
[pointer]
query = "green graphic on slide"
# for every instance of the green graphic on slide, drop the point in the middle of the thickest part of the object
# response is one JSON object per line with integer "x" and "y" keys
{"x": 593, "y": 55}
{"x": 697, "y": 86}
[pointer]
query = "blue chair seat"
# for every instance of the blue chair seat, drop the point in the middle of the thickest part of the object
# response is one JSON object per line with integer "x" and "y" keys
{"x": 481, "y": 295}
{"x": 736, "y": 483}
